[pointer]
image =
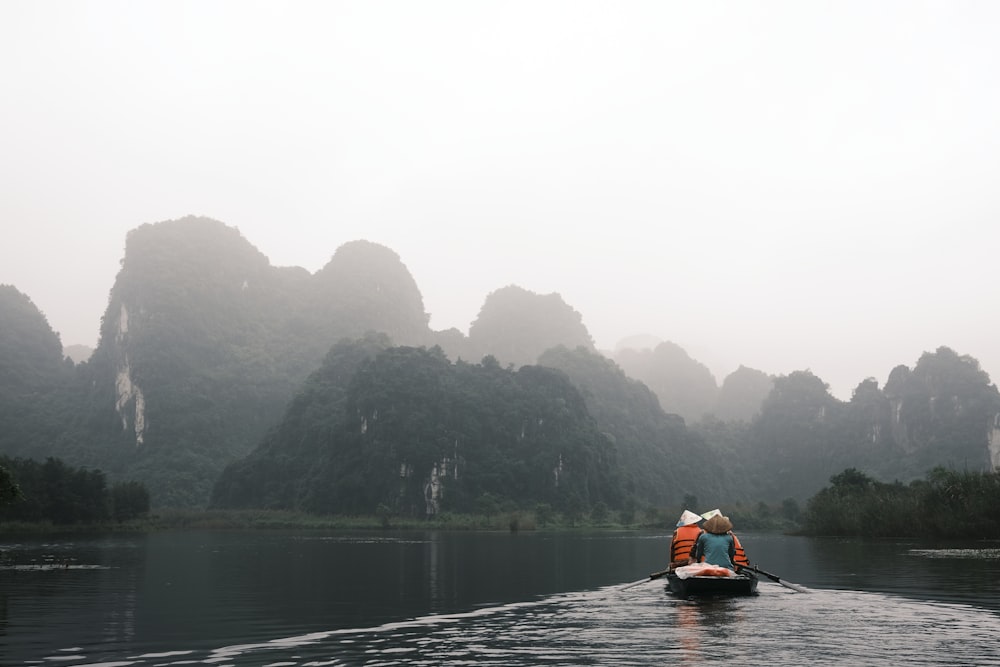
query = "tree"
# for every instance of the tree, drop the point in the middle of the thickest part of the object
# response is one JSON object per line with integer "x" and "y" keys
{"x": 9, "y": 490}
{"x": 129, "y": 500}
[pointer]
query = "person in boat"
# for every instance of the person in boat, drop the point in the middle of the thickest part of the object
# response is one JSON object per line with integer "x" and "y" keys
{"x": 716, "y": 544}
{"x": 740, "y": 560}
{"x": 683, "y": 539}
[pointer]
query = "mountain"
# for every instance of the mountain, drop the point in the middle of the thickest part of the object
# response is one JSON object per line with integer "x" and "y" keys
{"x": 35, "y": 379}
{"x": 366, "y": 286}
{"x": 516, "y": 325}
{"x": 204, "y": 342}
{"x": 683, "y": 386}
{"x": 943, "y": 412}
{"x": 206, "y": 357}
{"x": 662, "y": 460}
{"x": 78, "y": 353}
{"x": 742, "y": 394}
{"x": 406, "y": 429}
{"x": 31, "y": 357}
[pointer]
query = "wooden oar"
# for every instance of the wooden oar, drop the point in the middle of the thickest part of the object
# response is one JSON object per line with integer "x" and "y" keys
{"x": 774, "y": 577}
{"x": 655, "y": 575}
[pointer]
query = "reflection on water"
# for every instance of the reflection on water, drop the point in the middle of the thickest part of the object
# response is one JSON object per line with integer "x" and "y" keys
{"x": 977, "y": 554}
{"x": 648, "y": 627}
{"x": 287, "y": 600}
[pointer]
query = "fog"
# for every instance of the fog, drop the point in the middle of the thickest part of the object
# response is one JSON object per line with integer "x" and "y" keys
{"x": 783, "y": 185}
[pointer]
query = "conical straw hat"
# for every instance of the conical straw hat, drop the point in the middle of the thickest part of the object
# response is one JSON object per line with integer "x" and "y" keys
{"x": 687, "y": 518}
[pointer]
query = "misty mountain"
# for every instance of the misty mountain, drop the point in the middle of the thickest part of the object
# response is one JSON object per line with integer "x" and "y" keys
{"x": 203, "y": 344}
{"x": 686, "y": 387}
{"x": 31, "y": 359}
{"x": 662, "y": 461}
{"x": 207, "y": 353}
{"x": 516, "y": 326}
{"x": 36, "y": 381}
{"x": 683, "y": 386}
{"x": 365, "y": 286}
{"x": 78, "y": 353}
{"x": 742, "y": 394}
{"x": 943, "y": 412}
{"x": 406, "y": 429}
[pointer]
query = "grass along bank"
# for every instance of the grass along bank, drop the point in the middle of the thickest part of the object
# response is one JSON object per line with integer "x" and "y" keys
{"x": 758, "y": 517}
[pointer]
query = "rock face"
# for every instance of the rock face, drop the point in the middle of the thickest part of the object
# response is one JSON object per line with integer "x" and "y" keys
{"x": 994, "y": 443}
{"x": 130, "y": 404}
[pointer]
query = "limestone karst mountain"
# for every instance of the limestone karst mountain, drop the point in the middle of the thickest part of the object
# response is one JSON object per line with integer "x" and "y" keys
{"x": 516, "y": 326}
{"x": 406, "y": 429}
{"x": 683, "y": 385}
{"x": 206, "y": 347}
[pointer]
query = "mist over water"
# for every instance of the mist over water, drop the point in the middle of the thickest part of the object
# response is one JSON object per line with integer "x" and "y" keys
{"x": 485, "y": 599}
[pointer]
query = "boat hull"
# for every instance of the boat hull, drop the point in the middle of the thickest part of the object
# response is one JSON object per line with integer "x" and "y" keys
{"x": 742, "y": 584}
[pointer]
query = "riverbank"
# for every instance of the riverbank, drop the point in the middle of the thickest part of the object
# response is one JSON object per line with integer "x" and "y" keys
{"x": 194, "y": 519}
{"x": 199, "y": 519}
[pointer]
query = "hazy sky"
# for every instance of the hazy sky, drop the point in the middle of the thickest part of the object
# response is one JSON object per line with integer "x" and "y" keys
{"x": 784, "y": 185}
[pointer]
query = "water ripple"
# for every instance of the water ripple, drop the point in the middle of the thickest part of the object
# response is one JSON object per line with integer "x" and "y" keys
{"x": 642, "y": 626}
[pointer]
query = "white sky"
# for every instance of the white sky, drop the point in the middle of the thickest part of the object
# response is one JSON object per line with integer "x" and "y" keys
{"x": 784, "y": 185}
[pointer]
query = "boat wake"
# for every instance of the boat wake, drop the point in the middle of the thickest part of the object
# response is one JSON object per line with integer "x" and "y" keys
{"x": 644, "y": 626}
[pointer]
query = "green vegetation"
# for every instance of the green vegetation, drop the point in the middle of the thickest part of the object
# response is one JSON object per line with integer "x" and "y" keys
{"x": 542, "y": 517}
{"x": 406, "y": 429}
{"x": 947, "y": 504}
{"x": 9, "y": 489}
{"x": 56, "y": 493}
{"x": 661, "y": 459}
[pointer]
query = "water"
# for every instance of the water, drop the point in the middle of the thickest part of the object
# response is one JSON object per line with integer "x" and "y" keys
{"x": 457, "y": 598}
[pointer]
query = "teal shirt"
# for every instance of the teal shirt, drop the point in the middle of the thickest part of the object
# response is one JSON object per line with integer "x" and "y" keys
{"x": 717, "y": 549}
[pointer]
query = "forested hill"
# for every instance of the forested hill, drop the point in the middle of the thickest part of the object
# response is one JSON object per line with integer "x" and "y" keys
{"x": 407, "y": 429}
{"x": 35, "y": 380}
{"x": 204, "y": 342}
{"x": 204, "y": 345}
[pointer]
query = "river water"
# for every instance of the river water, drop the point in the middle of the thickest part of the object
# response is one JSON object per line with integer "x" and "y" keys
{"x": 286, "y": 599}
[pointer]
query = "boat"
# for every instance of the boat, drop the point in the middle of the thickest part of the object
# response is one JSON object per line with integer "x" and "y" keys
{"x": 744, "y": 583}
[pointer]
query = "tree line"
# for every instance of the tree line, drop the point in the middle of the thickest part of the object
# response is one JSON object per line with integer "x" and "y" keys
{"x": 946, "y": 504}
{"x": 52, "y": 491}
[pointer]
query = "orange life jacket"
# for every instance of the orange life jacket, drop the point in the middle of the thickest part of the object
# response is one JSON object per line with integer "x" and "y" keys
{"x": 740, "y": 560}
{"x": 682, "y": 544}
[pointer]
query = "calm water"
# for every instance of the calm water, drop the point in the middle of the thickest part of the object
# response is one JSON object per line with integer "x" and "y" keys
{"x": 442, "y": 598}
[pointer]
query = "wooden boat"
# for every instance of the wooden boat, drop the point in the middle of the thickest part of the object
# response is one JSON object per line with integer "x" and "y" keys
{"x": 744, "y": 583}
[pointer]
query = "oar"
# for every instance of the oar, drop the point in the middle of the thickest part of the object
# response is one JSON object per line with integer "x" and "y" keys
{"x": 655, "y": 575}
{"x": 773, "y": 577}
